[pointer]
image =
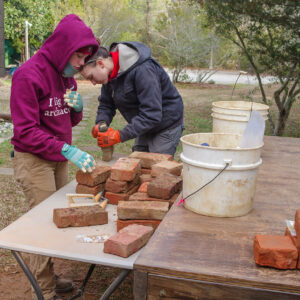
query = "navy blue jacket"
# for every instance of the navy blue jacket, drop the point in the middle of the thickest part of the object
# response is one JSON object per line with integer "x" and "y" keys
{"x": 144, "y": 95}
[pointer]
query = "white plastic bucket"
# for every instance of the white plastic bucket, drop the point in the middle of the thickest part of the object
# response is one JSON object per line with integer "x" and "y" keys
{"x": 232, "y": 116}
{"x": 231, "y": 194}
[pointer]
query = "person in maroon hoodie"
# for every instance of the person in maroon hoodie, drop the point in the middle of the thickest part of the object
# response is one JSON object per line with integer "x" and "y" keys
{"x": 44, "y": 107}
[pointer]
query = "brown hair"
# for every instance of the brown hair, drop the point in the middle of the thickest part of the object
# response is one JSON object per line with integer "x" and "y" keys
{"x": 101, "y": 53}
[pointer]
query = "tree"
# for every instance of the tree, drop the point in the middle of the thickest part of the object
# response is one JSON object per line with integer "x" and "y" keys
{"x": 182, "y": 37}
{"x": 36, "y": 12}
{"x": 267, "y": 32}
{"x": 2, "y": 51}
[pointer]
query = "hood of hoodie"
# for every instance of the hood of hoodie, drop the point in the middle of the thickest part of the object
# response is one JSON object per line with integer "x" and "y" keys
{"x": 131, "y": 54}
{"x": 70, "y": 35}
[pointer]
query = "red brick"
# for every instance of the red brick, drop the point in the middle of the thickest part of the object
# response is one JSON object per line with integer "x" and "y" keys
{"x": 145, "y": 178}
{"x": 275, "y": 251}
{"x": 143, "y": 187}
{"x": 125, "y": 169}
{"x": 128, "y": 240}
{"x": 142, "y": 210}
{"x": 114, "y": 198}
{"x": 118, "y": 186}
{"x": 85, "y": 189}
{"x": 292, "y": 237}
{"x": 144, "y": 197}
{"x": 123, "y": 223}
{"x": 148, "y": 158}
{"x": 173, "y": 199}
{"x": 172, "y": 167}
{"x": 99, "y": 175}
{"x": 79, "y": 216}
{"x": 164, "y": 186}
{"x": 145, "y": 171}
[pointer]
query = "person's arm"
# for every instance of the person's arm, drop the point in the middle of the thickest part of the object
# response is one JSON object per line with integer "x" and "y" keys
{"x": 150, "y": 98}
{"x": 106, "y": 109}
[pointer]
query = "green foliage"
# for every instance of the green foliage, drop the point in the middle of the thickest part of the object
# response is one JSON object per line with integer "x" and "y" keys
{"x": 36, "y": 12}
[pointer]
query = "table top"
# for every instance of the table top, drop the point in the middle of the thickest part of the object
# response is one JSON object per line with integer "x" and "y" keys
{"x": 35, "y": 232}
{"x": 194, "y": 246}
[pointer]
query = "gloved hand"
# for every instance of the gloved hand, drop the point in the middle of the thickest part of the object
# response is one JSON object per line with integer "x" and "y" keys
{"x": 74, "y": 100}
{"x": 100, "y": 127}
{"x": 82, "y": 159}
{"x": 108, "y": 138}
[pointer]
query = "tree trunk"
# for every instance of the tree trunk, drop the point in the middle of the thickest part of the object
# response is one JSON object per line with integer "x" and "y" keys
{"x": 2, "y": 49}
{"x": 281, "y": 122}
{"x": 148, "y": 23}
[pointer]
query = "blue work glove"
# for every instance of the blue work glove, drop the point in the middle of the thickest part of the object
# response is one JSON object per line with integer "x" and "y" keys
{"x": 82, "y": 159}
{"x": 74, "y": 100}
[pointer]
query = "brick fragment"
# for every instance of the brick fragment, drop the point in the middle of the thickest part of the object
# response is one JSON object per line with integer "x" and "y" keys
{"x": 148, "y": 158}
{"x": 143, "y": 187}
{"x": 164, "y": 186}
{"x": 275, "y": 251}
{"x": 128, "y": 240}
{"x": 292, "y": 237}
{"x": 99, "y": 175}
{"x": 146, "y": 171}
{"x": 145, "y": 178}
{"x": 173, "y": 199}
{"x": 123, "y": 223}
{"x": 79, "y": 216}
{"x": 144, "y": 197}
{"x": 297, "y": 228}
{"x": 85, "y": 189}
{"x": 121, "y": 186}
{"x": 125, "y": 169}
{"x": 142, "y": 210}
{"x": 166, "y": 166}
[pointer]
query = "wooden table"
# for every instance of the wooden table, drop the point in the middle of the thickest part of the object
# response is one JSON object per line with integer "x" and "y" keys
{"x": 191, "y": 256}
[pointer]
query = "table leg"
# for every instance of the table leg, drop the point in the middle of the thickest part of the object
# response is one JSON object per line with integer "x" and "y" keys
{"x": 80, "y": 291}
{"x": 28, "y": 273}
{"x": 115, "y": 284}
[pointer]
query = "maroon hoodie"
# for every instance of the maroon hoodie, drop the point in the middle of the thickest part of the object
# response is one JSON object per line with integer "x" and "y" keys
{"x": 42, "y": 121}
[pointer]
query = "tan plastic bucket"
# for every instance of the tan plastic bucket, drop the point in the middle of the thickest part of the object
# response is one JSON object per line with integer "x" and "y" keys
{"x": 231, "y": 194}
{"x": 232, "y": 116}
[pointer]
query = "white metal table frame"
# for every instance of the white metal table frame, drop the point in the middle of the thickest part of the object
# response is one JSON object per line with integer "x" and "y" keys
{"x": 36, "y": 233}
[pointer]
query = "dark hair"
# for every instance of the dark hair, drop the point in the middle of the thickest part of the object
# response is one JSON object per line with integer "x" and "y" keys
{"x": 101, "y": 53}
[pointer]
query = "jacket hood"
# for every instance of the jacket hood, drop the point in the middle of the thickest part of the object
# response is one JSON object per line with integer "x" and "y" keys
{"x": 131, "y": 54}
{"x": 70, "y": 35}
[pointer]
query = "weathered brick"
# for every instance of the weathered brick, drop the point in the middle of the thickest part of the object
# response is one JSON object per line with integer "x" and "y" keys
{"x": 164, "y": 186}
{"x": 128, "y": 240}
{"x": 144, "y": 197}
{"x": 145, "y": 171}
{"x": 172, "y": 167}
{"x": 275, "y": 251}
{"x": 148, "y": 158}
{"x": 85, "y": 189}
{"x": 118, "y": 186}
{"x": 99, "y": 175}
{"x": 123, "y": 223}
{"x": 142, "y": 210}
{"x": 125, "y": 169}
{"x": 145, "y": 178}
{"x": 292, "y": 237}
{"x": 173, "y": 199}
{"x": 114, "y": 198}
{"x": 143, "y": 187}
{"x": 79, "y": 216}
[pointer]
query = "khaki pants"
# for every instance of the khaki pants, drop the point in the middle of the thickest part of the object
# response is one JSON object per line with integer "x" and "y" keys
{"x": 39, "y": 179}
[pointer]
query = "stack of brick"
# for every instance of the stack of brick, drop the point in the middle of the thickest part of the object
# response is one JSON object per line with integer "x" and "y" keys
{"x": 281, "y": 252}
{"x": 94, "y": 182}
{"x": 160, "y": 187}
{"x": 123, "y": 181}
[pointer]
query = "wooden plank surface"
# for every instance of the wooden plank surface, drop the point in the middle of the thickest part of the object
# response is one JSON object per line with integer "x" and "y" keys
{"x": 211, "y": 249}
